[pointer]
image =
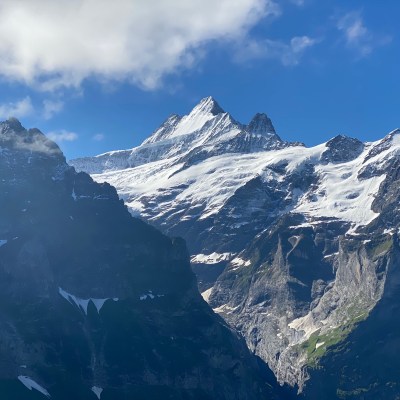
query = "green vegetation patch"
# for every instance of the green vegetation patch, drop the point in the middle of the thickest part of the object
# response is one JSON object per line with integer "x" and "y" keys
{"x": 318, "y": 344}
{"x": 381, "y": 247}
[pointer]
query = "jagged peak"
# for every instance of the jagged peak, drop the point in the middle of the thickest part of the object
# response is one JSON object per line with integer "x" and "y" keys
{"x": 261, "y": 124}
{"x": 172, "y": 118}
{"x": 14, "y": 136}
{"x": 383, "y": 144}
{"x": 392, "y": 134}
{"x": 13, "y": 124}
{"x": 207, "y": 105}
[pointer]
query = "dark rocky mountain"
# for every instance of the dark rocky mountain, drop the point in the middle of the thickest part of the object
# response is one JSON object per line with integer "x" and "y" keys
{"x": 97, "y": 304}
{"x": 296, "y": 247}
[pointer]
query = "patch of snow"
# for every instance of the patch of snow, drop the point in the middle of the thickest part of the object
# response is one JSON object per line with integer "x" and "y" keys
{"x": 305, "y": 324}
{"x": 206, "y": 294}
{"x": 213, "y": 258}
{"x": 240, "y": 262}
{"x": 389, "y": 231}
{"x": 3, "y": 242}
{"x": 84, "y": 303}
{"x": 31, "y": 384}
{"x": 331, "y": 255}
{"x": 225, "y": 309}
{"x": 97, "y": 391}
{"x": 99, "y": 303}
{"x": 319, "y": 344}
{"x": 150, "y": 295}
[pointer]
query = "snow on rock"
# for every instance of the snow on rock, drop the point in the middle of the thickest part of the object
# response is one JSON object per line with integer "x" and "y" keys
{"x": 31, "y": 384}
{"x": 206, "y": 294}
{"x": 207, "y": 186}
{"x": 213, "y": 258}
{"x": 240, "y": 262}
{"x": 97, "y": 391}
{"x": 341, "y": 194}
{"x": 84, "y": 303}
{"x": 304, "y": 324}
{"x": 3, "y": 242}
{"x": 149, "y": 295}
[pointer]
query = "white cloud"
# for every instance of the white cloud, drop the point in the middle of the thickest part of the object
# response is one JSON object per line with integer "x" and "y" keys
{"x": 50, "y": 44}
{"x": 98, "y": 137}
{"x": 62, "y": 136}
{"x": 357, "y": 36}
{"x": 21, "y": 108}
{"x": 51, "y": 107}
{"x": 289, "y": 54}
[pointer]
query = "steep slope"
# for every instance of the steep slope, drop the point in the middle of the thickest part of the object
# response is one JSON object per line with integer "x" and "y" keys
{"x": 293, "y": 246}
{"x": 97, "y": 304}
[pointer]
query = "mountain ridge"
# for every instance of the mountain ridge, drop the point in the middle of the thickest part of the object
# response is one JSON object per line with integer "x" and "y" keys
{"x": 292, "y": 245}
{"x": 97, "y": 304}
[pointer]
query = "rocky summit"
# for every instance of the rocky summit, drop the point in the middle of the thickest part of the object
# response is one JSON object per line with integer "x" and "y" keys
{"x": 96, "y": 304}
{"x": 296, "y": 247}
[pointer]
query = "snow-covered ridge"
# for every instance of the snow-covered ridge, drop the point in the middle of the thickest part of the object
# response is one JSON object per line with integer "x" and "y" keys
{"x": 207, "y": 186}
{"x": 207, "y": 126}
{"x": 170, "y": 174}
{"x": 213, "y": 258}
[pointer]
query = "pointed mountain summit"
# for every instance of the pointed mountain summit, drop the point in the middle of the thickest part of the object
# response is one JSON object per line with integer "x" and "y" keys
{"x": 206, "y": 131}
{"x": 208, "y": 105}
{"x": 261, "y": 125}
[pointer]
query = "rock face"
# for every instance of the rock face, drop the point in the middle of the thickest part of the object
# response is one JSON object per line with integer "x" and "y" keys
{"x": 295, "y": 247}
{"x": 95, "y": 303}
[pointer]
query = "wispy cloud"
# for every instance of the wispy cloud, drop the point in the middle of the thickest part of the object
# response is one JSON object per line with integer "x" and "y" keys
{"x": 98, "y": 137}
{"x": 289, "y": 54}
{"x": 357, "y": 36}
{"x": 48, "y": 44}
{"x": 51, "y": 107}
{"x": 298, "y": 2}
{"x": 62, "y": 136}
{"x": 18, "y": 109}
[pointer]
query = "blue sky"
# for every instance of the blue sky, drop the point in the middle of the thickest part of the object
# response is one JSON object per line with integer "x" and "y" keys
{"x": 99, "y": 77}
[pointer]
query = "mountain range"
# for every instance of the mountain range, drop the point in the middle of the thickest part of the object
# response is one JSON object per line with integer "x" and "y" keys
{"x": 295, "y": 247}
{"x": 97, "y": 304}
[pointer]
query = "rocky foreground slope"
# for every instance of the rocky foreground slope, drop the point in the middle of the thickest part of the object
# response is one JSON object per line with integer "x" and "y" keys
{"x": 97, "y": 304}
{"x": 296, "y": 247}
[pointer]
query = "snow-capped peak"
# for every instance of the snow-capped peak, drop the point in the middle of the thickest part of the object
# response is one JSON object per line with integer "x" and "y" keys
{"x": 175, "y": 126}
{"x": 207, "y": 131}
{"x": 208, "y": 105}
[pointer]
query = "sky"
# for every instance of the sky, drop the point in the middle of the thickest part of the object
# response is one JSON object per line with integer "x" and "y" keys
{"x": 97, "y": 75}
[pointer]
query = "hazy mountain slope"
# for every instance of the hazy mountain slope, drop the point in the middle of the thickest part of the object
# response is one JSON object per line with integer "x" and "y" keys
{"x": 95, "y": 303}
